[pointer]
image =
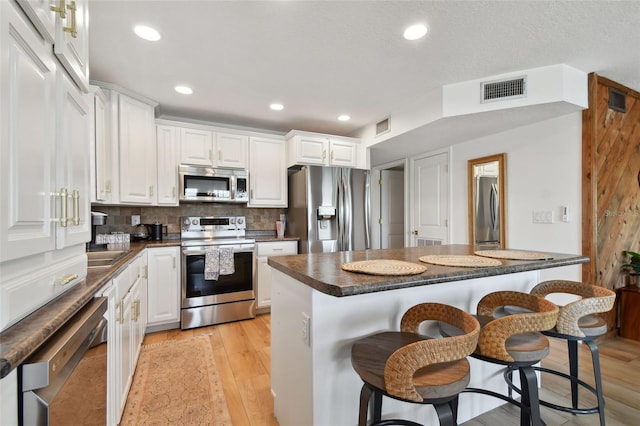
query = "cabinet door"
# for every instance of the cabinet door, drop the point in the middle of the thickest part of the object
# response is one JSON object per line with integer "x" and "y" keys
{"x": 163, "y": 300}
{"x": 27, "y": 123}
{"x": 267, "y": 173}
{"x": 103, "y": 151}
{"x": 42, "y": 17}
{"x": 113, "y": 356}
{"x": 71, "y": 44}
{"x": 137, "y": 143}
{"x": 125, "y": 339}
{"x": 196, "y": 147}
{"x": 263, "y": 290}
{"x": 232, "y": 150}
{"x": 343, "y": 154}
{"x": 137, "y": 332}
{"x": 312, "y": 151}
{"x": 72, "y": 149}
{"x": 167, "y": 165}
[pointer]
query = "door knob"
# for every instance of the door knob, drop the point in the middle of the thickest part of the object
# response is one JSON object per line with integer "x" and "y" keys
{"x": 415, "y": 232}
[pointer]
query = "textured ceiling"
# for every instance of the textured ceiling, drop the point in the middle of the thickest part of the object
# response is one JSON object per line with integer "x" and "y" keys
{"x": 326, "y": 58}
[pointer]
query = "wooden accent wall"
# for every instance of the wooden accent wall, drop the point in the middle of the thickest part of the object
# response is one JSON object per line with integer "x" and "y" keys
{"x": 610, "y": 183}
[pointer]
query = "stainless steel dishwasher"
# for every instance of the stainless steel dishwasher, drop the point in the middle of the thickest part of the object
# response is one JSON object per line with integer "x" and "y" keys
{"x": 65, "y": 381}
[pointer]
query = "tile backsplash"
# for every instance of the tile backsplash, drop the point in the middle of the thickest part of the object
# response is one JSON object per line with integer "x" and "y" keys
{"x": 119, "y": 217}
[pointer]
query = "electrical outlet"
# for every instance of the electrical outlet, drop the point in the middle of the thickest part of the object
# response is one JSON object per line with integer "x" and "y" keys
{"x": 306, "y": 329}
{"x": 135, "y": 219}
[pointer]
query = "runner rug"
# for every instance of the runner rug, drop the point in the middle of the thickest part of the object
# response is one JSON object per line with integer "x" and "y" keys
{"x": 176, "y": 383}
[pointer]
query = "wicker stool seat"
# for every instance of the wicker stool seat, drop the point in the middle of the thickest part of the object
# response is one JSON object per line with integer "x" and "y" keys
{"x": 578, "y": 322}
{"x": 516, "y": 342}
{"x": 410, "y": 367}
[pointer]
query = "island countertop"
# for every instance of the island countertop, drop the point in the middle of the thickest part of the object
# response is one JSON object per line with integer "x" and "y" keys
{"x": 323, "y": 272}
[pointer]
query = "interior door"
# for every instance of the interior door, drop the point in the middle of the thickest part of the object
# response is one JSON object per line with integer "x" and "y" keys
{"x": 430, "y": 200}
{"x": 392, "y": 208}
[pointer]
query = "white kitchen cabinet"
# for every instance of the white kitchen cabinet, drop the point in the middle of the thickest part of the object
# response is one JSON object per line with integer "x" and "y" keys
{"x": 139, "y": 309}
{"x": 168, "y": 148}
{"x": 65, "y": 23}
{"x": 232, "y": 150}
{"x": 163, "y": 300}
{"x": 324, "y": 150}
{"x": 27, "y": 142}
{"x": 263, "y": 271}
{"x": 102, "y": 150}
{"x": 72, "y": 163}
{"x": 203, "y": 147}
{"x": 137, "y": 151}
{"x": 196, "y": 146}
{"x": 113, "y": 353}
{"x": 267, "y": 172}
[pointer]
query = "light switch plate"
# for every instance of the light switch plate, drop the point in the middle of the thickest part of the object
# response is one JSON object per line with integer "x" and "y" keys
{"x": 544, "y": 216}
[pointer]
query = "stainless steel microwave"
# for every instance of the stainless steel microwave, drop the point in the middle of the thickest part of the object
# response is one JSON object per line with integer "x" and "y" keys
{"x": 208, "y": 184}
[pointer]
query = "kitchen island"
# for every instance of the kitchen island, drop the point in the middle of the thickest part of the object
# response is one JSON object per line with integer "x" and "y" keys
{"x": 318, "y": 311}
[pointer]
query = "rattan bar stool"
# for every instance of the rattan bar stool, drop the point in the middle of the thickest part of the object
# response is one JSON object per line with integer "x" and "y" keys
{"x": 578, "y": 322}
{"x": 515, "y": 341}
{"x": 410, "y": 367}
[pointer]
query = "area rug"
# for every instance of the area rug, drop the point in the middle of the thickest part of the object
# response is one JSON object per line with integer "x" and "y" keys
{"x": 176, "y": 383}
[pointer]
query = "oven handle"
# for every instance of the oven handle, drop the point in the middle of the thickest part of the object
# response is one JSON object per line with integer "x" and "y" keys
{"x": 190, "y": 251}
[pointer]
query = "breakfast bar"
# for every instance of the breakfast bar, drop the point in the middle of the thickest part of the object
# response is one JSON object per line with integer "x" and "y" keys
{"x": 318, "y": 310}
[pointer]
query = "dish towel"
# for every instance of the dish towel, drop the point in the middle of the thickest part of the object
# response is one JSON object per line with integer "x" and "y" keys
{"x": 226, "y": 261}
{"x": 211, "y": 263}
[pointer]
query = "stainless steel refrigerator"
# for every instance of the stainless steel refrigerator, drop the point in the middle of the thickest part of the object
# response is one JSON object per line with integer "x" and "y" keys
{"x": 329, "y": 209}
{"x": 487, "y": 211}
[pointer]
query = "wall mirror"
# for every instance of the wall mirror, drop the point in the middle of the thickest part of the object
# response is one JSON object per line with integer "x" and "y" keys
{"x": 487, "y": 177}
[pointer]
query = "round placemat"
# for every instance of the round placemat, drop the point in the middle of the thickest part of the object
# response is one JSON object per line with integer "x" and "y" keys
{"x": 384, "y": 267}
{"x": 514, "y": 254}
{"x": 464, "y": 260}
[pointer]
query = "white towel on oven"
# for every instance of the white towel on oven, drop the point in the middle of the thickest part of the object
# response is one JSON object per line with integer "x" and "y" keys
{"x": 227, "y": 266}
{"x": 211, "y": 263}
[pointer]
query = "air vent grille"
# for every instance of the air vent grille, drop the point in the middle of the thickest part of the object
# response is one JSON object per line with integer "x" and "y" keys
{"x": 422, "y": 242}
{"x": 617, "y": 100}
{"x": 504, "y": 89}
{"x": 382, "y": 126}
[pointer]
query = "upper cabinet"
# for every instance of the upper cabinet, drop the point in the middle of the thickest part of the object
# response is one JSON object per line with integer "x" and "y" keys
{"x": 267, "y": 172}
{"x": 324, "y": 150}
{"x": 168, "y": 148}
{"x": 101, "y": 150}
{"x": 205, "y": 147}
{"x": 65, "y": 23}
{"x": 44, "y": 150}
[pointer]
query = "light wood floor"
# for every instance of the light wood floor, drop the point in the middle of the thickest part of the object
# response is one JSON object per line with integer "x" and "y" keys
{"x": 242, "y": 356}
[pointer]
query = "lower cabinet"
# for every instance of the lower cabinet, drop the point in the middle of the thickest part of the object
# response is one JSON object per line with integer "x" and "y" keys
{"x": 125, "y": 333}
{"x": 263, "y": 271}
{"x": 164, "y": 288}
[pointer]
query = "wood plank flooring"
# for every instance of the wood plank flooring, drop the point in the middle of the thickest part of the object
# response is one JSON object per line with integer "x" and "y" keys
{"x": 242, "y": 356}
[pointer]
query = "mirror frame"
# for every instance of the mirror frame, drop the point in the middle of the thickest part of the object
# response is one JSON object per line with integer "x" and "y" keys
{"x": 502, "y": 177}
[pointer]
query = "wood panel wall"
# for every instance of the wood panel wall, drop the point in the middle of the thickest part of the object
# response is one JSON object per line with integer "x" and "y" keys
{"x": 610, "y": 184}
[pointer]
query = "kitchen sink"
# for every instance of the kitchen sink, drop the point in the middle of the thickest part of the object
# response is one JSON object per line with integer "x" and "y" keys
{"x": 106, "y": 258}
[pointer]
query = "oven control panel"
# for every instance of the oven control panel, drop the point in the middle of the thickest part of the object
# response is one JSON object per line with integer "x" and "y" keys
{"x": 225, "y": 223}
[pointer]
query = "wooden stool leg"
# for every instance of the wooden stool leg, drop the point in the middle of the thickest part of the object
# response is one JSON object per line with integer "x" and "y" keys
{"x": 595, "y": 359}
{"x": 365, "y": 396}
{"x": 530, "y": 412}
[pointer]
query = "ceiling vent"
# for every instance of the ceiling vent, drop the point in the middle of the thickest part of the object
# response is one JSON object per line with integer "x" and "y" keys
{"x": 382, "y": 126}
{"x": 617, "y": 100}
{"x": 499, "y": 90}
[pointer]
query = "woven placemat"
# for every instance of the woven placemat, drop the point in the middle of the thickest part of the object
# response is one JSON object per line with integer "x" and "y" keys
{"x": 514, "y": 254}
{"x": 384, "y": 267}
{"x": 464, "y": 260}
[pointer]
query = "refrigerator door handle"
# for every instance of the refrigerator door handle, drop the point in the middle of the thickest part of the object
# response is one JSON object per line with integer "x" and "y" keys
{"x": 348, "y": 210}
{"x": 367, "y": 210}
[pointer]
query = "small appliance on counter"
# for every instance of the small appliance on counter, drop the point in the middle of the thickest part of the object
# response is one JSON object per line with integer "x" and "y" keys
{"x": 147, "y": 231}
{"x": 97, "y": 218}
{"x": 140, "y": 233}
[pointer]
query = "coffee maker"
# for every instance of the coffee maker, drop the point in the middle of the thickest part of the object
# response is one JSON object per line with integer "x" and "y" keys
{"x": 97, "y": 219}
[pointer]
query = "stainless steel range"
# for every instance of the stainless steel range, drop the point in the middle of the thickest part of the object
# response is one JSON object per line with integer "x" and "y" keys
{"x": 230, "y": 297}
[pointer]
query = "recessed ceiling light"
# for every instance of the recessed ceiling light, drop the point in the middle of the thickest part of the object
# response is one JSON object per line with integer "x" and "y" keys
{"x": 146, "y": 33}
{"x": 414, "y": 32}
{"x": 344, "y": 117}
{"x": 276, "y": 107}
{"x": 184, "y": 90}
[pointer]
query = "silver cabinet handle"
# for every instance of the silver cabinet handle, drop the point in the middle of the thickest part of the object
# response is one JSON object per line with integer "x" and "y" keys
{"x": 61, "y": 9}
{"x": 62, "y": 195}
{"x": 66, "y": 279}
{"x": 75, "y": 195}
{"x": 73, "y": 30}
{"x": 151, "y": 190}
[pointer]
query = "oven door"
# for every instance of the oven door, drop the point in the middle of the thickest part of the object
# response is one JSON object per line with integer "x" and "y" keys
{"x": 197, "y": 291}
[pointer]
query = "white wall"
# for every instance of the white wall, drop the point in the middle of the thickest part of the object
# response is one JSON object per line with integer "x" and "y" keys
{"x": 543, "y": 173}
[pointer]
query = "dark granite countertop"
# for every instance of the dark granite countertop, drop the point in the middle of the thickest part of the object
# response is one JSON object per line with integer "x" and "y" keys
{"x": 23, "y": 338}
{"x": 322, "y": 271}
{"x": 265, "y": 236}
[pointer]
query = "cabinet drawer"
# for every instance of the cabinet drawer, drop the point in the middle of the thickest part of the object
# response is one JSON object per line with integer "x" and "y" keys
{"x": 276, "y": 248}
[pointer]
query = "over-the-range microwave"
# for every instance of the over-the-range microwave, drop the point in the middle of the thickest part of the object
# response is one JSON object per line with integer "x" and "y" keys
{"x": 202, "y": 183}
